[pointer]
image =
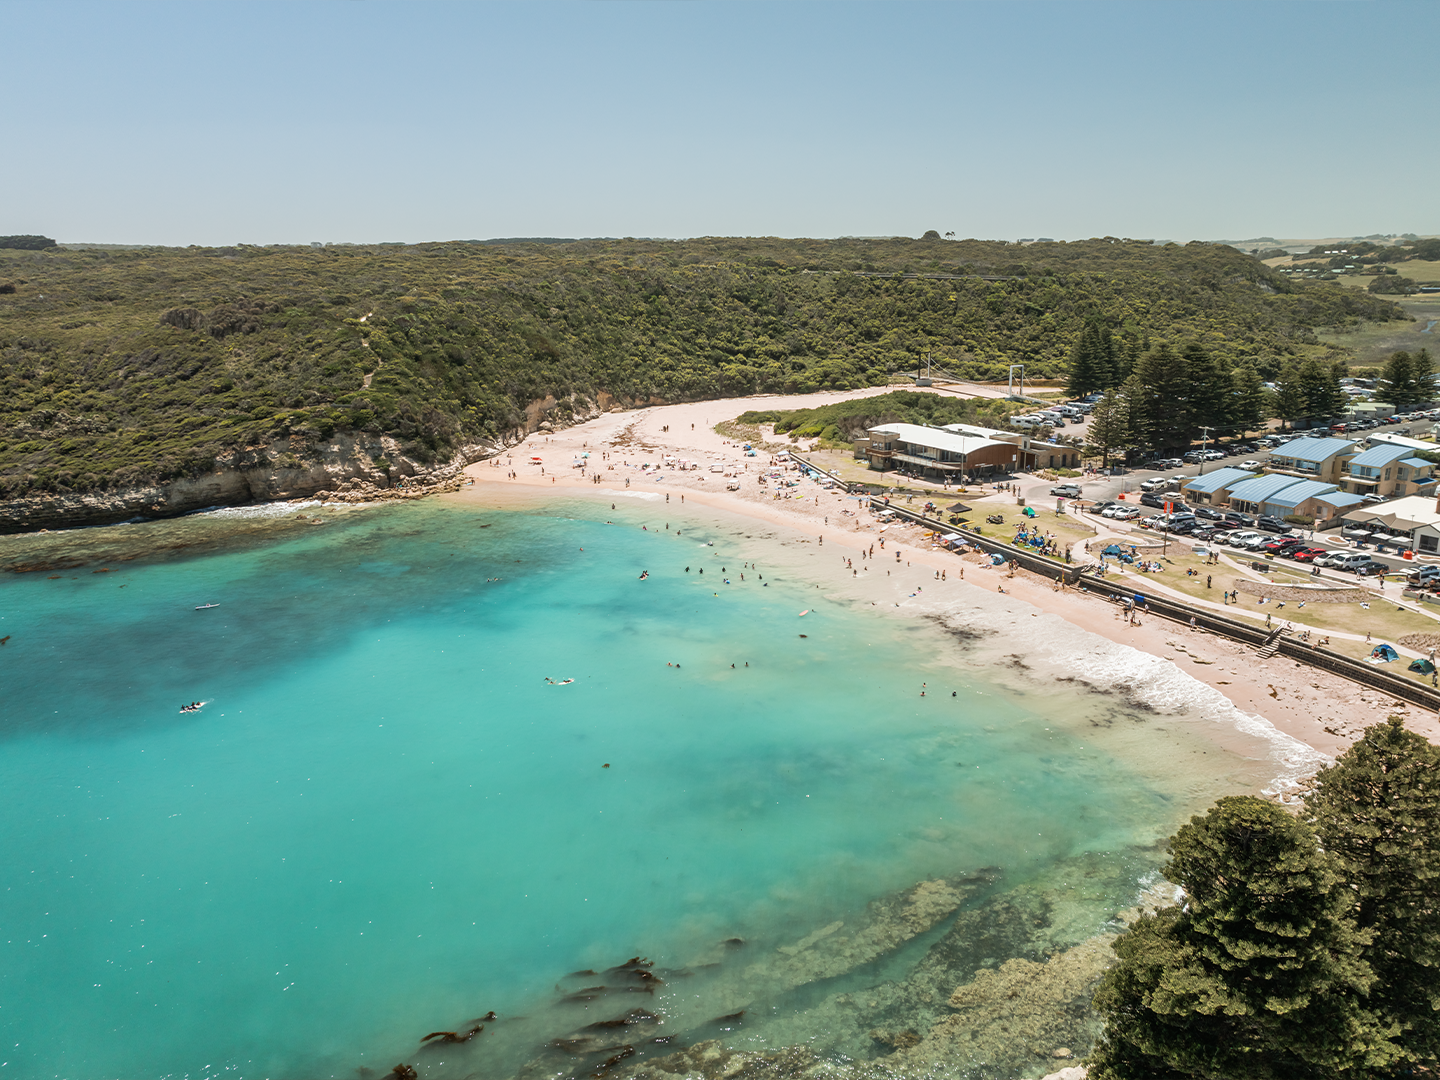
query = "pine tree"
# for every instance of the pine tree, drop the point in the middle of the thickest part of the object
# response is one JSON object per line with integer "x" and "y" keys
{"x": 1249, "y": 400}
{"x": 1092, "y": 361}
{"x": 1084, "y": 375}
{"x": 1159, "y": 393}
{"x": 1289, "y": 402}
{"x": 1422, "y": 370}
{"x": 1397, "y": 380}
{"x": 1320, "y": 387}
{"x": 1377, "y": 810}
{"x": 1210, "y": 388}
{"x": 1258, "y": 977}
{"x": 1109, "y": 428}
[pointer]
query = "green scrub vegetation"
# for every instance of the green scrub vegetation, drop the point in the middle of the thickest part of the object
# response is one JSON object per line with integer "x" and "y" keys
{"x": 126, "y": 366}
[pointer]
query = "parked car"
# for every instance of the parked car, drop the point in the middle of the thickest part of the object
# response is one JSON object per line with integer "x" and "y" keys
{"x": 1279, "y": 547}
{"x": 1271, "y": 524}
{"x": 1243, "y": 539}
{"x": 1149, "y": 498}
{"x": 1239, "y": 520}
{"x": 1306, "y": 554}
{"x": 1068, "y": 491}
{"x": 1212, "y": 455}
{"x": 1207, "y": 512}
{"x": 1252, "y": 463}
{"x": 1372, "y": 568}
{"x": 1423, "y": 575}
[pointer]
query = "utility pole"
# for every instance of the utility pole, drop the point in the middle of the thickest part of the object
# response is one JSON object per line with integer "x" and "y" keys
{"x": 1204, "y": 441}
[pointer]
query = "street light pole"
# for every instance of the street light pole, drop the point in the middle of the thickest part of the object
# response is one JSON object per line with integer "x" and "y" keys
{"x": 1204, "y": 441}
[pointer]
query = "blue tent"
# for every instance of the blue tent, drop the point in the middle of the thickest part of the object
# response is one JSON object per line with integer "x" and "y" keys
{"x": 1384, "y": 652}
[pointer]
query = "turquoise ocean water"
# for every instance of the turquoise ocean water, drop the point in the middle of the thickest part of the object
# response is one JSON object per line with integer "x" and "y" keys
{"x": 386, "y": 821}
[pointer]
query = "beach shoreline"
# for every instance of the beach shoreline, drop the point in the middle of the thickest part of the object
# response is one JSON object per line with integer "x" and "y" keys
{"x": 1315, "y": 708}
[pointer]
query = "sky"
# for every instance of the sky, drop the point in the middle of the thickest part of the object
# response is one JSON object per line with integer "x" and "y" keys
{"x": 365, "y": 121}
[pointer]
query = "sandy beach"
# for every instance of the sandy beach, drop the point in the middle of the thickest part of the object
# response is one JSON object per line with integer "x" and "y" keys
{"x": 1321, "y": 710}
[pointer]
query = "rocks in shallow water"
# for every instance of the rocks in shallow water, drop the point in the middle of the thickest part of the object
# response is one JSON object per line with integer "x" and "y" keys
{"x": 887, "y": 925}
{"x": 710, "y": 1060}
{"x": 1023, "y": 1004}
{"x": 896, "y": 1040}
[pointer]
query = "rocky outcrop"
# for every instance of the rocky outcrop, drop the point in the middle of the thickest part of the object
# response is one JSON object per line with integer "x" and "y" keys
{"x": 352, "y": 468}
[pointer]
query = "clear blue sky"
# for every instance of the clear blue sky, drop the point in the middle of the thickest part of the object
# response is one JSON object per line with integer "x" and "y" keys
{"x": 357, "y": 120}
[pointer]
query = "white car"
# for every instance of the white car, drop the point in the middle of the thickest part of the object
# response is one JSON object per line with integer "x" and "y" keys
{"x": 1251, "y": 464}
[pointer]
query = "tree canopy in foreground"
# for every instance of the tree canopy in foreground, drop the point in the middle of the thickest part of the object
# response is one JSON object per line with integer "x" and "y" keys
{"x": 1304, "y": 946}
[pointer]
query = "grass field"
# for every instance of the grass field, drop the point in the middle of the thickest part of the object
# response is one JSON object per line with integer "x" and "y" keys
{"x": 1374, "y": 342}
{"x": 1382, "y": 620}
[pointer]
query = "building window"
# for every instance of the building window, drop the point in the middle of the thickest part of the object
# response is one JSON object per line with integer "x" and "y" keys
{"x": 1429, "y": 543}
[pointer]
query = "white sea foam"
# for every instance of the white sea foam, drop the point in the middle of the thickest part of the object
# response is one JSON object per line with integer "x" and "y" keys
{"x": 650, "y": 496}
{"x": 1157, "y": 683}
{"x": 262, "y": 510}
{"x": 1064, "y": 650}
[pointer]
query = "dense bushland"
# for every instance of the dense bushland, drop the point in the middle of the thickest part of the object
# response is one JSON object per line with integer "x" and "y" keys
{"x": 118, "y": 366}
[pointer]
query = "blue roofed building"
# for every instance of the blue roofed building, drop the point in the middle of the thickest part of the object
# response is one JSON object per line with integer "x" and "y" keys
{"x": 1214, "y": 488}
{"x": 1249, "y": 496}
{"x": 1332, "y": 506}
{"x": 1313, "y": 458}
{"x": 1302, "y": 499}
{"x": 1387, "y": 471}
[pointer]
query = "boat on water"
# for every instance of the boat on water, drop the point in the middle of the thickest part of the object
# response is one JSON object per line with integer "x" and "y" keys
{"x": 202, "y": 607}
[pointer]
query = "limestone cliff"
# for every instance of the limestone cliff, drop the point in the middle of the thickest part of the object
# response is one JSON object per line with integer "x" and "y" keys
{"x": 351, "y": 466}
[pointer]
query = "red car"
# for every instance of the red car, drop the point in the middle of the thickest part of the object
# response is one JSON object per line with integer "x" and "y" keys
{"x": 1307, "y": 554}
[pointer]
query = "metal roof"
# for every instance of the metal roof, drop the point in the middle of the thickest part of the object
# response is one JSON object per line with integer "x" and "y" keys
{"x": 1311, "y": 449}
{"x": 1262, "y": 488}
{"x": 1296, "y": 494}
{"x": 1220, "y": 478}
{"x": 936, "y": 438}
{"x": 1416, "y": 462}
{"x": 1340, "y": 499}
{"x": 1393, "y": 439}
{"x": 1379, "y": 456}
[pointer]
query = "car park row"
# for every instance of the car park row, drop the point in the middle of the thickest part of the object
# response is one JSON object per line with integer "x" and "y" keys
{"x": 1264, "y": 536}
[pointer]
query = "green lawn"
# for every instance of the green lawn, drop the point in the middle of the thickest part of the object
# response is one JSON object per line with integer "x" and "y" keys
{"x": 1381, "y": 619}
{"x": 1066, "y": 528}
